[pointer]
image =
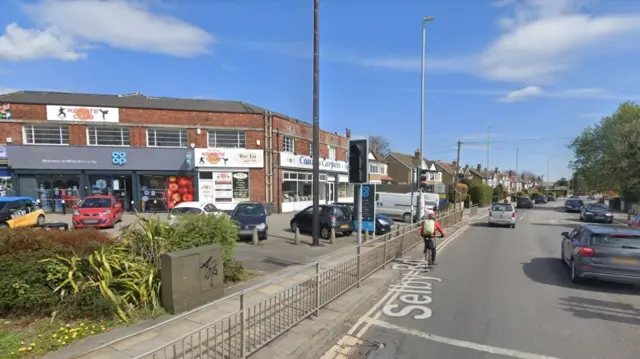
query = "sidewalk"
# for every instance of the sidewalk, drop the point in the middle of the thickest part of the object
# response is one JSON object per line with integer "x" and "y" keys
{"x": 125, "y": 343}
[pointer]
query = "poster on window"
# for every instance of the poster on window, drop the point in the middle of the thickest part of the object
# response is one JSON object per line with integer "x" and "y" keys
{"x": 240, "y": 186}
{"x": 206, "y": 190}
{"x": 180, "y": 189}
{"x": 223, "y": 186}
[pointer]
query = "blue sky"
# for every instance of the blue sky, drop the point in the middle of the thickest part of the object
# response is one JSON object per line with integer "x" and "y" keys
{"x": 529, "y": 68}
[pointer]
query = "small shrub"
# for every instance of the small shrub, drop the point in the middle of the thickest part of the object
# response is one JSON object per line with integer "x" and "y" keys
{"x": 196, "y": 231}
{"x": 481, "y": 194}
{"x": 233, "y": 270}
{"x": 13, "y": 241}
{"x": 86, "y": 304}
{"x": 147, "y": 238}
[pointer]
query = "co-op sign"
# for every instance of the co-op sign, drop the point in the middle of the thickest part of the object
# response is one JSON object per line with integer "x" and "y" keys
{"x": 306, "y": 162}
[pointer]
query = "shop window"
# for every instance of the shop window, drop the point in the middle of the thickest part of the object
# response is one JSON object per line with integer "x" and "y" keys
{"x": 227, "y": 139}
{"x": 288, "y": 144}
{"x": 120, "y": 187}
{"x": 108, "y": 136}
{"x": 332, "y": 153}
{"x": 296, "y": 186}
{"x": 57, "y": 193}
{"x": 166, "y": 137}
{"x": 162, "y": 193}
{"x": 46, "y": 135}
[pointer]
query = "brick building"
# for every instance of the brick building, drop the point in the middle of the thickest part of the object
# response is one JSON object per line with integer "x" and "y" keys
{"x": 155, "y": 152}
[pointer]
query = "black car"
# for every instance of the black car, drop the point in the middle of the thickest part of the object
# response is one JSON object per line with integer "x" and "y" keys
{"x": 596, "y": 212}
{"x": 573, "y": 205}
{"x": 551, "y": 198}
{"x": 541, "y": 199}
{"x": 384, "y": 224}
{"x": 250, "y": 215}
{"x": 610, "y": 253}
{"x": 524, "y": 202}
{"x": 331, "y": 216}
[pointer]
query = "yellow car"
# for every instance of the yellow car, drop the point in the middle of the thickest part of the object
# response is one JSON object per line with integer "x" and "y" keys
{"x": 16, "y": 212}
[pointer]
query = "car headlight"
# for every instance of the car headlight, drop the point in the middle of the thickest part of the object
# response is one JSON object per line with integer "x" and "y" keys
{"x": 609, "y": 214}
{"x": 261, "y": 226}
{"x": 588, "y": 213}
{"x": 383, "y": 222}
{"x": 107, "y": 211}
{"x": 76, "y": 212}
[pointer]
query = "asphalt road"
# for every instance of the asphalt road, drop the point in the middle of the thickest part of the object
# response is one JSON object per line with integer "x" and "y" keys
{"x": 504, "y": 293}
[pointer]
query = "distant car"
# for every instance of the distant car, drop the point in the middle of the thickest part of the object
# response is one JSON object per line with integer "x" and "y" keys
{"x": 524, "y": 202}
{"x": 540, "y": 199}
{"x": 609, "y": 253}
{"x": 16, "y": 212}
{"x": 383, "y": 224}
{"x": 198, "y": 208}
{"x": 250, "y": 215}
{"x": 591, "y": 197}
{"x": 573, "y": 205}
{"x": 331, "y": 216}
{"x": 97, "y": 211}
{"x": 551, "y": 199}
{"x": 596, "y": 212}
{"x": 502, "y": 214}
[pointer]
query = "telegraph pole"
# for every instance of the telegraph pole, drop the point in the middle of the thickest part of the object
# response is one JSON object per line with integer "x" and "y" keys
{"x": 488, "y": 146}
{"x": 517, "y": 158}
{"x": 455, "y": 177}
{"x": 316, "y": 126}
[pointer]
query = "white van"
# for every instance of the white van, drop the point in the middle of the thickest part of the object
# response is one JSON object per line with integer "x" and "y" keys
{"x": 433, "y": 201}
{"x": 398, "y": 205}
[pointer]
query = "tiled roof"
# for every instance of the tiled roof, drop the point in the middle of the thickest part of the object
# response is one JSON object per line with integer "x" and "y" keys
{"x": 446, "y": 166}
{"x": 378, "y": 157}
{"x": 408, "y": 160}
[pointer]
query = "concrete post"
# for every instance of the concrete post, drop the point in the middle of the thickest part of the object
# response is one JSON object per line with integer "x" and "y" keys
{"x": 366, "y": 236}
{"x": 332, "y": 236}
{"x": 296, "y": 236}
{"x": 254, "y": 236}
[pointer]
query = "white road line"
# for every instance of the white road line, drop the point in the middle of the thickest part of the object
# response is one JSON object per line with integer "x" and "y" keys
{"x": 461, "y": 343}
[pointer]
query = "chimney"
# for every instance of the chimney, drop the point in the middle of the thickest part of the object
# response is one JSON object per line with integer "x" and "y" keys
{"x": 496, "y": 170}
{"x": 454, "y": 163}
{"x": 479, "y": 167}
{"x": 466, "y": 166}
{"x": 347, "y": 133}
{"x": 417, "y": 155}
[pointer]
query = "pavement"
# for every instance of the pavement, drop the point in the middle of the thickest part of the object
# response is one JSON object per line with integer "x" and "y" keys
{"x": 498, "y": 293}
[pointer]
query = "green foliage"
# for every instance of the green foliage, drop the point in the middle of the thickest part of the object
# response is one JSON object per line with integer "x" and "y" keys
{"x": 196, "y": 231}
{"x": 233, "y": 270}
{"x": 498, "y": 193}
{"x": 147, "y": 238}
{"x": 481, "y": 194}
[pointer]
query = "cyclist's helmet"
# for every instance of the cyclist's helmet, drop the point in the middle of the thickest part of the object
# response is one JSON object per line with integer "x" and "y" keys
{"x": 431, "y": 215}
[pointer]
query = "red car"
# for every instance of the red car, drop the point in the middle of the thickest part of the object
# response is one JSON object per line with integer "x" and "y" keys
{"x": 97, "y": 211}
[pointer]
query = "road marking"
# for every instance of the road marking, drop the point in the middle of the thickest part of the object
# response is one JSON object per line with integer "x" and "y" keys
{"x": 461, "y": 343}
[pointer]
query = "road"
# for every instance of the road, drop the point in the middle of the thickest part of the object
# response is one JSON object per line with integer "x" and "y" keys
{"x": 503, "y": 293}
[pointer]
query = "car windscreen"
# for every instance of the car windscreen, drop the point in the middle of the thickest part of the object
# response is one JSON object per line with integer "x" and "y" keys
{"x": 431, "y": 204}
{"x": 524, "y": 199}
{"x": 600, "y": 207}
{"x": 502, "y": 207}
{"x": 615, "y": 240}
{"x": 95, "y": 203}
{"x": 249, "y": 210}
{"x": 185, "y": 210}
{"x": 575, "y": 202}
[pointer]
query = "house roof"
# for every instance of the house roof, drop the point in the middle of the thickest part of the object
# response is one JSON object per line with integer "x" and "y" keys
{"x": 378, "y": 157}
{"x": 408, "y": 161}
{"x": 446, "y": 166}
{"x": 476, "y": 172}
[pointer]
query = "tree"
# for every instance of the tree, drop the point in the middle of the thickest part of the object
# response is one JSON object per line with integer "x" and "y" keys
{"x": 562, "y": 182}
{"x": 607, "y": 155}
{"x": 379, "y": 144}
{"x": 498, "y": 193}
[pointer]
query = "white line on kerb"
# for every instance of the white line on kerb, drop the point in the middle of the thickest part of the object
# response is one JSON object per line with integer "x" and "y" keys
{"x": 461, "y": 343}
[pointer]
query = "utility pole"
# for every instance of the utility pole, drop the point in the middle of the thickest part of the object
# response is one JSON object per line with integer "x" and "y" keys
{"x": 548, "y": 178}
{"x": 455, "y": 178}
{"x": 488, "y": 147}
{"x": 315, "y": 223}
{"x": 517, "y": 158}
{"x": 422, "y": 70}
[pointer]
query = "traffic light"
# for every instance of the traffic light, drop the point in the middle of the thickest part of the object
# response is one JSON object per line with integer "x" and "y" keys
{"x": 358, "y": 161}
{"x": 422, "y": 183}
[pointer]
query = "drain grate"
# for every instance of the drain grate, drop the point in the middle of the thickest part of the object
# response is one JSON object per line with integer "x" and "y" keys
{"x": 364, "y": 349}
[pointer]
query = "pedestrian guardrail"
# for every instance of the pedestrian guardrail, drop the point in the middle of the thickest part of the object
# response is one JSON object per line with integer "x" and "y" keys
{"x": 254, "y": 324}
{"x": 473, "y": 210}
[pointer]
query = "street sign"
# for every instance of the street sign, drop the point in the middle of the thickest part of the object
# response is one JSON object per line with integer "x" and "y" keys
{"x": 368, "y": 201}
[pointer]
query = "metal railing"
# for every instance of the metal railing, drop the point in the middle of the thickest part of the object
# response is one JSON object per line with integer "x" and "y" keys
{"x": 254, "y": 324}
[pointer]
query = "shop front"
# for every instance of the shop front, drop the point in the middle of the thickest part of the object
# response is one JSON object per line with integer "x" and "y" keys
{"x": 144, "y": 179}
{"x": 297, "y": 179}
{"x": 224, "y": 174}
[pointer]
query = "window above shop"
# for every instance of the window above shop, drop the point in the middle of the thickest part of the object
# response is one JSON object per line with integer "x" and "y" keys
{"x": 311, "y": 148}
{"x": 227, "y": 139}
{"x": 166, "y": 137}
{"x": 108, "y": 136}
{"x": 45, "y": 135}
{"x": 288, "y": 144}
{"x": 332, "y": 153}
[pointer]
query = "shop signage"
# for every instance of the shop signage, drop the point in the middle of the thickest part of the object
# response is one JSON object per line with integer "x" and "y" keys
{"x": 306, "y": 162}
{"x": 229, "y": 157}
{"x": 98, "y": 158}
{"x": 5, "y": 111}
{"x": 82, "y": 113}
{"x": 3, "y": 152}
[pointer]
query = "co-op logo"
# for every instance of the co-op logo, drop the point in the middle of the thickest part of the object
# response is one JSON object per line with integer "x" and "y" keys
{"x": 119, "y": 158}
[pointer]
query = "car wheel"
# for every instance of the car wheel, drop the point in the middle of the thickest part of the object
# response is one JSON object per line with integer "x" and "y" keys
{"x": 325, "y": 233}
{"x": 562, "y": 252}
{"x": 4, "y": 225}
{"x": 575, "y": 278}
{"x": 513, "y": 226}
{"x": 263, "y": 237}
{"x": 406, "y": 218}
{"x": 294, "y": 226}
{"x": 40, "y": 221}
{"x": 489, "y": 224}
{"x": 581, "y": 218}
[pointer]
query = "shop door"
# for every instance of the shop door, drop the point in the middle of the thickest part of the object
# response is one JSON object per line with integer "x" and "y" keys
{"x": 330, "y": 189}
{"x": 206, "y": 187}
{"x": 119, "y": 187}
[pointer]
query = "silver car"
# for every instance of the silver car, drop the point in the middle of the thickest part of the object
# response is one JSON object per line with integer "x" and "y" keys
{"x": 502, "y": 214}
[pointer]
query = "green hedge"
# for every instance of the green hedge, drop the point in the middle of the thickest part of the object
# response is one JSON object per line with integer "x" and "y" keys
{"x": 481, "y": 194}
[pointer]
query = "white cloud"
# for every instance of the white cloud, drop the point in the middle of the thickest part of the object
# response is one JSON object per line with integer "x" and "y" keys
{"x": 522, "y": 94}
{"x": 6, "y": 90}
{"x": 67, "y": 28}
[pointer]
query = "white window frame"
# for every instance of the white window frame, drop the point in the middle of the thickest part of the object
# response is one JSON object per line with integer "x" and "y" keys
{"x": 121, "y": 128}
{"x": 310, "y": 148}
{"x": 239, "y": 142}
{"x": 183, "y": 136}
{"x": 288, "y": 144}
{"x": 25, "y": 130}
{"x": 332, "y": 153}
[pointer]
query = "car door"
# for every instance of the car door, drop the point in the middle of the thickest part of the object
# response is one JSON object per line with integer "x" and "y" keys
{"x": 32, "y": 213}
{"x": 305, "y": 218}
{"x": 117, "y": 210}
{"x": 18, "y": 214}
{"x": 569, "y": 243}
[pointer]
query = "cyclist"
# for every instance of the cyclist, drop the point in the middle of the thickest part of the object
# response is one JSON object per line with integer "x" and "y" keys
{"x": 428, "y": 232}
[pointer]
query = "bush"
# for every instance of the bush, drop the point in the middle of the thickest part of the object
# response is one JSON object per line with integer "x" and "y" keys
{"x": 233, "y": 270}
{"x": 13, "y": 241}
{"x": 481, "y": 194}
{"x": 196, "y": 231}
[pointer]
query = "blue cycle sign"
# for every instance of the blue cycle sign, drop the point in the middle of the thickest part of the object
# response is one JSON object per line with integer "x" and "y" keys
{"x": 368, "y": 208}
{"x": 119, "y": 158}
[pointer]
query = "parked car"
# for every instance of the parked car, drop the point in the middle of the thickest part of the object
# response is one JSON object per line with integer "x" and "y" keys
{"x": 250, "y": 215}
{"x": 16, "y": 212}
{"x": 383, "y": 224}
{"x": 596, "y": 212}
{"x": 502, "y": 214}
{"x": 201, "y": 208}
{"x": 331, "y": 216}
{"x": 524, "y": 202}
{"x": 573, "y": 205}
{"x": 591, "y": 198}
{"x": 551, "y": 199}
{"x": 540, "y": 199}
{"x": 97, "y": 211}
{"x": 610, "y": 253}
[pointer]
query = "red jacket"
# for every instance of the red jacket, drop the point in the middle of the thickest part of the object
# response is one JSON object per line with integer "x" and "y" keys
{"x": 436, "y": 228}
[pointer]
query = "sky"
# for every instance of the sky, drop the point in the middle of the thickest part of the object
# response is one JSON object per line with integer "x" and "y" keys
{"x": 531, "y": 73}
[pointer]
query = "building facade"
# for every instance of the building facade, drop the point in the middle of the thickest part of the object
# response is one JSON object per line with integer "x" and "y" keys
{"x": 153, "y": 153}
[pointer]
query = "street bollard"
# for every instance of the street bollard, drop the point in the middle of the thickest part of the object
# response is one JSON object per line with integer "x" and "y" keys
{"x": 332, "y": 236}
{"x": 296, "y": 236}
{"x": 254, "y": 236}
{"x": 366, "y": 236}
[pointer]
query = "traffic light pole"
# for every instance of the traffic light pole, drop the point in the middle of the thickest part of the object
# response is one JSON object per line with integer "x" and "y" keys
{"x": 414, "y": 173}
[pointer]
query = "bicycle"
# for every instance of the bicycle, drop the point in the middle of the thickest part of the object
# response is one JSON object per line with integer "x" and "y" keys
{"x": 427, "y": 253}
